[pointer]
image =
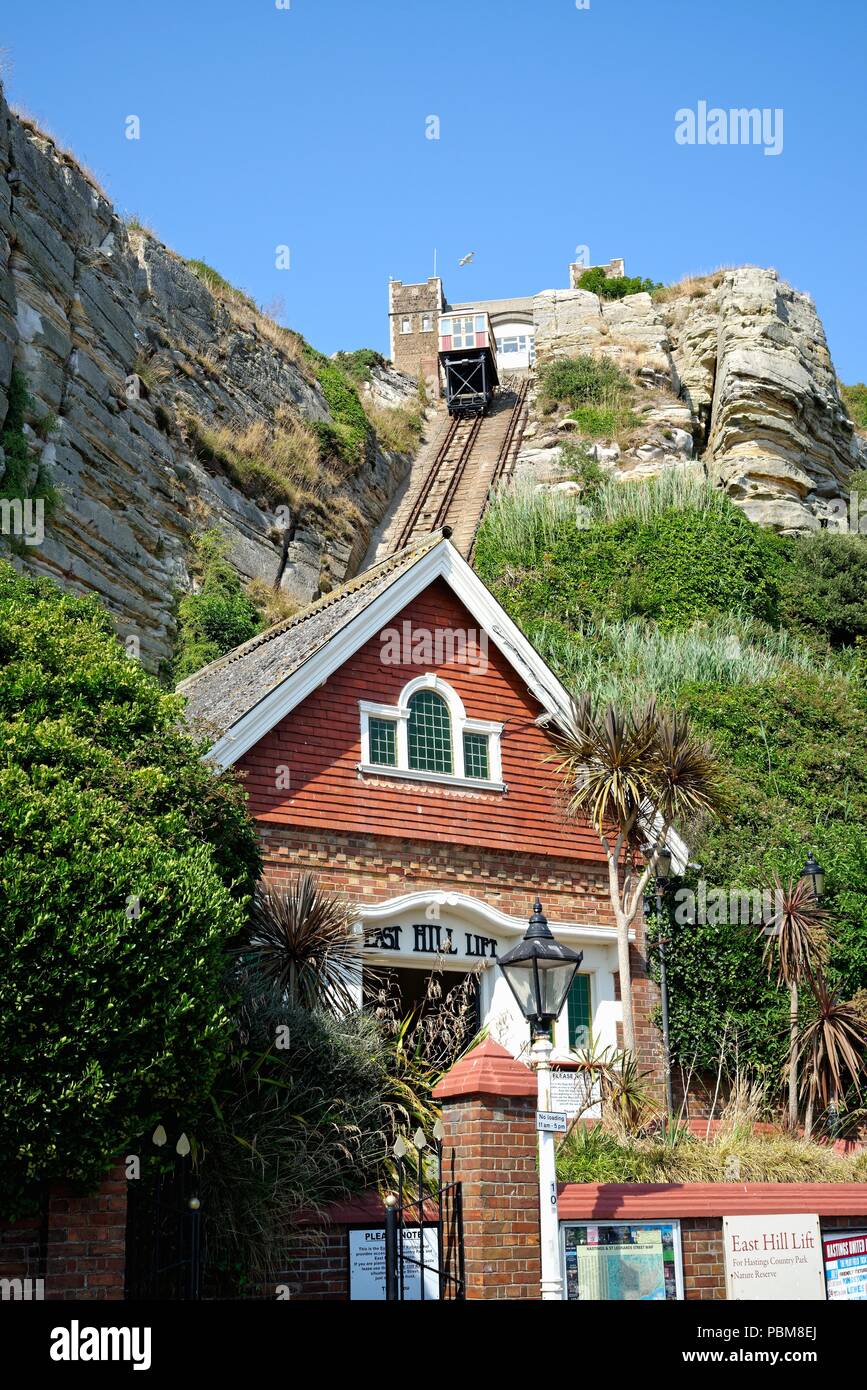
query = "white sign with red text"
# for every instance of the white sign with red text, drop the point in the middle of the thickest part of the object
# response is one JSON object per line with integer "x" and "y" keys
{"x": 773, "y": 1257}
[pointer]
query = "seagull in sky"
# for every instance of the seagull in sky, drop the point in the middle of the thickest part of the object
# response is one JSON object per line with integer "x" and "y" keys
{"x": 465, "y": 260}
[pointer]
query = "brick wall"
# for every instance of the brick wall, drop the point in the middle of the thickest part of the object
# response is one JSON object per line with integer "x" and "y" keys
{"x": 75, "y": 1243}
{"x": 373, "y": 868}
{"x": 319, "y": 1268}
{"x": 704, "y": 1273}
{"x": 496, "y": 1144}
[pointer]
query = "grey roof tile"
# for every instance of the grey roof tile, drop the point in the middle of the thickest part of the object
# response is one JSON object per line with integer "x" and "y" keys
{"x": 227, "y": 689}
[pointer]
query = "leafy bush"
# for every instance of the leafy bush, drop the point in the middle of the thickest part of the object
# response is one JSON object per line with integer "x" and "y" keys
{"x": 583, "y": 380}
{"x": 614, "y": 286}
{"x": 350, "y": 433}
{"x": 359, "y": 364}
{"x": 855, "y": 398}
{"x": 125, "y": 864}
{"x": 824, "y": 588}
{"x": 218, "y": 616}
{"x": 677, "y": 566}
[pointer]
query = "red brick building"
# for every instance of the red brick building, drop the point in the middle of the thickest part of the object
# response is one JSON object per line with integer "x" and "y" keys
{"x": 396, "y": 739}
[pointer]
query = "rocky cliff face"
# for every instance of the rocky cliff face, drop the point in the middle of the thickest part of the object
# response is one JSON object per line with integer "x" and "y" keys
{"x": 118, "y": 342}
{"x": 735, "y": 369}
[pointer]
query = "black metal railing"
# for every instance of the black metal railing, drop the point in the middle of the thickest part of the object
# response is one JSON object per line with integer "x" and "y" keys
{"x": 424, "y": 1233}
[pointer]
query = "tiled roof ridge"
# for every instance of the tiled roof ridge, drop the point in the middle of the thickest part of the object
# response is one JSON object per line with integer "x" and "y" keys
{"x": 358, "y": 581}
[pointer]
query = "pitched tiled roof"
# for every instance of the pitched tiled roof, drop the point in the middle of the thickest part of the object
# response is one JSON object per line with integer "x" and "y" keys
{"x": 223, "y": 692}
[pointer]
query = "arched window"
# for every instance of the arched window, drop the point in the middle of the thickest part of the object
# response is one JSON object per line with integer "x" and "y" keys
{"x": 429, "y": 733}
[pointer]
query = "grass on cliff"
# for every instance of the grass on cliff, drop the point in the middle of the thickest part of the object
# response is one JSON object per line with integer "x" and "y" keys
{"x": 398, "y": 428}
{"x": 279, "y": 463}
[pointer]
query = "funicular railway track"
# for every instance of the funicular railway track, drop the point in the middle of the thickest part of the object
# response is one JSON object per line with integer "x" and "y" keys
{"x": 474, "y": 455}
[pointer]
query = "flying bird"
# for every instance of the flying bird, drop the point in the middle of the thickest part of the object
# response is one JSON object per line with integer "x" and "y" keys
{"x": 465, "y": 260}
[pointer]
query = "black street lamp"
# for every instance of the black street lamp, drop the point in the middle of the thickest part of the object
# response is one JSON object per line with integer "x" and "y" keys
{"x": 814, "y": 872}
{"x": 539, "y": 972}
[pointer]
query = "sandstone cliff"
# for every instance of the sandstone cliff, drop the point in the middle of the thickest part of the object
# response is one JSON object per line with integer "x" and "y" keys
{"x": 734, "y": 369}
{"x": 121, "y": 345}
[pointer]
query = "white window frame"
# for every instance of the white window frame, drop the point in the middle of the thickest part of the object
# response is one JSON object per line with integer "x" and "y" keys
{"x": 461, "y": 724}
{"x": 426, "y": 323}
{"x": 672, "y": 1221}
{"x": 406, "y": 323}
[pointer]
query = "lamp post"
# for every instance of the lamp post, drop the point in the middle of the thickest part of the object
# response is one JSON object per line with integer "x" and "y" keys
{"x": 539, "y": 972}
{"x": 814, "y": 872}
{"x": 663, "y": 876}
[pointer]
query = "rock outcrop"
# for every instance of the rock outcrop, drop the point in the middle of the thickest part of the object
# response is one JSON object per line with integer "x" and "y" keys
{"x": 735, "y": 369}
{"x": 89, "y": 306}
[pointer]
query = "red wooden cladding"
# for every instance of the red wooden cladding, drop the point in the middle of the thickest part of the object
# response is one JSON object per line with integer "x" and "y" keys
{"x": 318, "y": 746}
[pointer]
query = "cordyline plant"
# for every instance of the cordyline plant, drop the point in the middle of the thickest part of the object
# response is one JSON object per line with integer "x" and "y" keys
{"x": 796, "y": 945}
{"x": 635, "y": 774}
{"x": 302, "y": 940}
{"x": 832, "y": 1048}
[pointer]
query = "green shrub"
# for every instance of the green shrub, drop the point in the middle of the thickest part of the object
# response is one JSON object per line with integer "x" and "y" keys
{"x": 349, "y": 434}
{"x": 125, "y": 864}
{"x": 678, "y": 566}
{"x": 824, "y": 588}
{"x": 583, "y": 380}
{"x": 219, "y": 615}
{"x": 615, "y": 286}
{"x": 855, "y": 398}
{"x": 594, "y": 1154}
{"x": 18, "y": 451}
{"x": 359, "y": 364}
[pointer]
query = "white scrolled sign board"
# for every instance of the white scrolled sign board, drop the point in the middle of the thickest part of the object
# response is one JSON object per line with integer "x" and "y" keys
{"x": 773, "y": 1257}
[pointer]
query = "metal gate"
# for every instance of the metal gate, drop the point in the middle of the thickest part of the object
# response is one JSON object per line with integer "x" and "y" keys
{"x": 418, "y": 1267}
{"x": 164, "y": 1254}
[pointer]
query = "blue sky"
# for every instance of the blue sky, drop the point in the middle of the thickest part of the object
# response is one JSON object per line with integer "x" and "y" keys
{"x": 305, "y": 127}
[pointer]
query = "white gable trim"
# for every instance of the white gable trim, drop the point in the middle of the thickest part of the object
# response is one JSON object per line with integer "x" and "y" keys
{"x": 441, "y": 562}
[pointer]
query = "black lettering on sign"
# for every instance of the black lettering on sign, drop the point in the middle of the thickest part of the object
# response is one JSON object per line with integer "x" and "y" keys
{"x": 429, "y": 940}
{"x": 481, "y": 945}
{"x": 384, "y": 939}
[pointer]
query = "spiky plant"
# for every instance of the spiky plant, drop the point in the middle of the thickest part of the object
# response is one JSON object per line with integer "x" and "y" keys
{"x": 832, "y": 1047}
{"x": 302, "y": 940}
{"x": 634, "y": 774}
{"x": 796, "y": 947}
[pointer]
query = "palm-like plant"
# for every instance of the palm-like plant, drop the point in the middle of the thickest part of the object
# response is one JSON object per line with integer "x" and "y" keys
{"x": 832, "y": 1047}
{"x": 634, "y": 774}
{"x": 796, "y": 946}
{"x": 302, "y": 940}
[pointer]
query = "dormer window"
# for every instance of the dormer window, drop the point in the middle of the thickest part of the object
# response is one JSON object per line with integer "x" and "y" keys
{"x": 428, "y": 736}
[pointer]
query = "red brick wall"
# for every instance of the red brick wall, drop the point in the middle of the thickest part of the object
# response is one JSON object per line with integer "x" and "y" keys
{"x": 83, "y": 1239}
{"x": 495, "y": 1144}
{"x": 704, "y": 1275}
{"x": 319, "y": 1269}
{"x": 320, "y": 745}
{"x": 372, "y": 868}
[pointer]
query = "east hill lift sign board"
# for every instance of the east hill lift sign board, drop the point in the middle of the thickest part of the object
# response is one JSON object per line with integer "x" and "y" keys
{"x": 773, "y": 1257}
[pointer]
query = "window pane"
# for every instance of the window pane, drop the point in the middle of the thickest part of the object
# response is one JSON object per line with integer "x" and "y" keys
{"x": 578, "y": 1006}
{"x": 445, "y": 327}
{"x": 383, "y": 743}
{"x": 429, "y": 732}
{"x": 476, "y": 756}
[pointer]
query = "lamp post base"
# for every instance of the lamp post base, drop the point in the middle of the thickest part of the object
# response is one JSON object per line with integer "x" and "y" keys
{"x": 549, "y": 1224}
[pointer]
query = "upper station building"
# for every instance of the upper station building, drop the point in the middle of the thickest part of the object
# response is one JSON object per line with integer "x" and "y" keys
{"x": 414, "y": 311}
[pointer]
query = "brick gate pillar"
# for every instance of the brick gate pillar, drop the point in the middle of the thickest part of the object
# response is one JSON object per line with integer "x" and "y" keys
{"x": 489, "y": 1116}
